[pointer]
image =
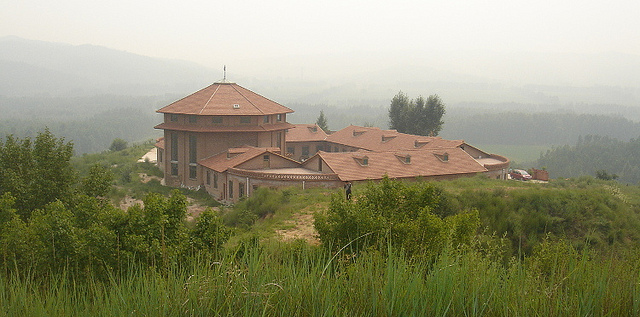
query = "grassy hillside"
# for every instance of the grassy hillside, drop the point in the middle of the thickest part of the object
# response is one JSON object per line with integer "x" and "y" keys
{"x": 563, "y": 248}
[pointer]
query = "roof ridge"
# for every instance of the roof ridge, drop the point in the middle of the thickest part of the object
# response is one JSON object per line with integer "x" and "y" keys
{"x": 207, "y": 103}
{"x": 185, "y": 97}
{"x": 262, "y": 96}
{"x": 245, "y": 98}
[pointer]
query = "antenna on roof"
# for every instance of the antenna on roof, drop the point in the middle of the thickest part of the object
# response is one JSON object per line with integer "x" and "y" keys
{"x": 224, "y": 78}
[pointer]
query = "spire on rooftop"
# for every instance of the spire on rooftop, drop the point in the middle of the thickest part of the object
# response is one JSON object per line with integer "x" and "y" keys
{"x": 224, "y": 78}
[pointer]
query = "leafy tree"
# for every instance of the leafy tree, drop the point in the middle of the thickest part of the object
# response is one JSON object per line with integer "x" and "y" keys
{"x": 209, "y": 232}
{"x": 118, "y": 145}
{"x": 14, "y": 246}
{"x": 420, "y": 116}
{"x": 98, "y": 182}
{"x": 55, "y": 238}
{"x": 36, "y": 172}
{"x": 399, "y": 112}
{"x": 604, "y": 175}
{"x": 322, "y": 122}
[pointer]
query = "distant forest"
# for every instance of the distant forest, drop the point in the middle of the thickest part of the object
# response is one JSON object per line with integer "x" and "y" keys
{"x": 489, "y": 125}
{"x": 592, "y": 154}
{"x": 92, "y": 122}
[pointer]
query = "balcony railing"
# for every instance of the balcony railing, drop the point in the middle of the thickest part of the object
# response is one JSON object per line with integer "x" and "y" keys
{"x": 283, "y": 177}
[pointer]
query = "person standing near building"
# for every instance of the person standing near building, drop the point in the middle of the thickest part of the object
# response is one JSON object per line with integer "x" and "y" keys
{"x": 347, "y": 190}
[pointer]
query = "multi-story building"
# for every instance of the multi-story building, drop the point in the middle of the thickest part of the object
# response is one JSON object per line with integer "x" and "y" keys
{"x": 210, "y": 121}
{"x": 231, "y": 141}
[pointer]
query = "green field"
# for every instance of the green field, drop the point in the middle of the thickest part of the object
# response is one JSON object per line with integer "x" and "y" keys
{"x": 520, "y": 154}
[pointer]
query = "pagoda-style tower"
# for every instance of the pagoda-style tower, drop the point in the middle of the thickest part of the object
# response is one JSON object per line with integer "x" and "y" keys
{"x": 212, "y": 120}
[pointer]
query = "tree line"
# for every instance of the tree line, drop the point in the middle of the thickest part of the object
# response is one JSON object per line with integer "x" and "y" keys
{"x": 53, "y": 220}
{"x": 595, "y": 155}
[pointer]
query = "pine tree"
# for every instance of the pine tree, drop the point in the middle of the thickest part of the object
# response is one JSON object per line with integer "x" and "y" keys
{"x": 322, "y": 122}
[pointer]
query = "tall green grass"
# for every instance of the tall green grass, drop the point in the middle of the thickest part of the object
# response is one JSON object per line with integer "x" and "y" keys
{"x": 281, "y": 279}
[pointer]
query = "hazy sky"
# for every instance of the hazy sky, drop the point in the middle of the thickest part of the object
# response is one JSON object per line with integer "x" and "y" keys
{"x": 226, "y": 32}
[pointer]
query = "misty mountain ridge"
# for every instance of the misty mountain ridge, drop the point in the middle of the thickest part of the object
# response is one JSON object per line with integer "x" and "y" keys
{"x": 29, "y": 67}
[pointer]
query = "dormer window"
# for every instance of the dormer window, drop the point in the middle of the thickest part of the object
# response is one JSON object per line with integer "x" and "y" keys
{"x": 420, "y": 143}
{"x": 358, "y": 132}
{"x": 387, "y": 137}
{"x": 235, "y": 152}
{"x": 443, "y": 157}
{"x": 363, "y": 160}
{"x": 405, "y": 158}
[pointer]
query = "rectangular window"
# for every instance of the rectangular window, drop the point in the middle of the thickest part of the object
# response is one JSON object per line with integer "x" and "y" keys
{"x": 319, "y": 164}
{"x": 279, "y": 117}
{"x": 216, "y": 119}
{"x": 335, "y": 149}
{"x": 215, "y": 179}
{"x": 245, "y": 119}
{"x": 279, "y": 139}
{"x": 174, "y": 146}
{"x": 230, "y": 189}
{"x": 291, "y": 150}
{"x": 173, "y": 117}
{"x": 193, "y": 119}
{"x": 174, "y": 154}
{"x": 305, "y": 150}
{"x": 240, "y": 190}
{"x": 160, "y": 155}
{"x": 265, "y": 119}
{"x": 193, "y": 169}
{"x": 193, "y": 144}
{"x": 208, "y": 177}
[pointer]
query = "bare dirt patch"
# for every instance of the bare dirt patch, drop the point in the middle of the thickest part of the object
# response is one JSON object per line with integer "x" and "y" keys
{"x": 301, "y": 228}
{"x": 144, "y": 178}
{"x": 193, "y": 209}
{"x": 129, "y": 201}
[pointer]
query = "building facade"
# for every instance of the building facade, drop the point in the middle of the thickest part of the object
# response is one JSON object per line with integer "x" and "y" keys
{"x": 212, "y": 120}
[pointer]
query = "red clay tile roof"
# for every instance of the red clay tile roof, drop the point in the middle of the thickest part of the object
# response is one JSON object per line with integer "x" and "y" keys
{"x": 425, "y": 163}
{"x": 305, "y": 133}
{"x": 160, "y": 143}
{"x": 219, "y": 100}
{"x": 236, "y": 156}
{"x": 240, "y": 128}
{"x": 376, "y": 139}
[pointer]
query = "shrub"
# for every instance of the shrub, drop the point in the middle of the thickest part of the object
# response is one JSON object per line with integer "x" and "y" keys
{"x": 414, "y": 217}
